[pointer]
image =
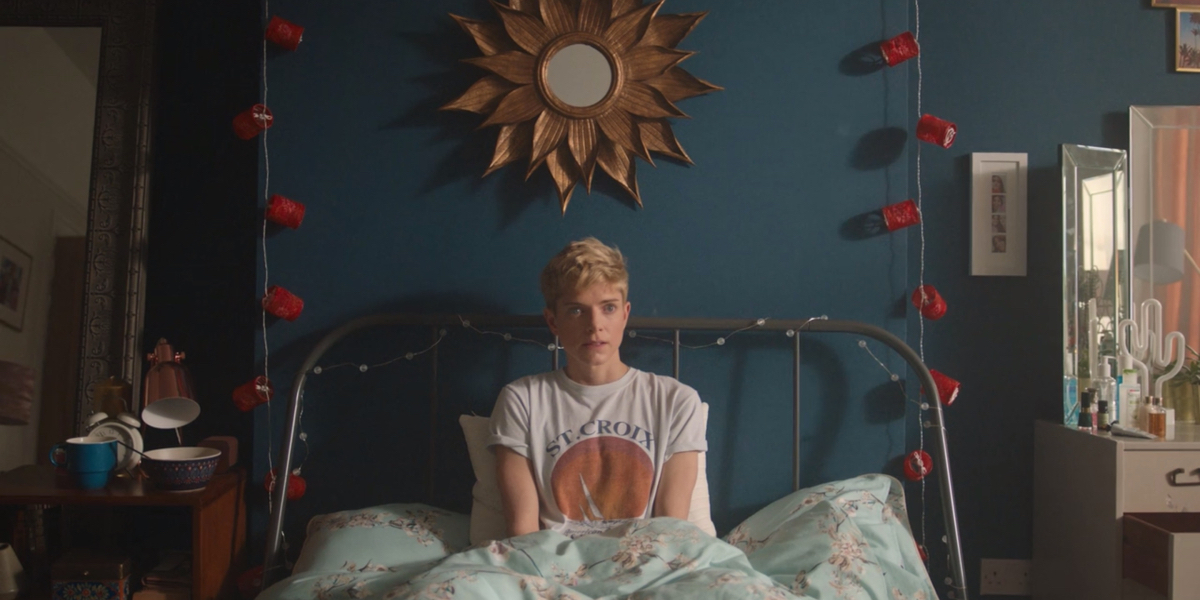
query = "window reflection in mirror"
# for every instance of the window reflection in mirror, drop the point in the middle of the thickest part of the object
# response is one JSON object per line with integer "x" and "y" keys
{"x": 1095, "y": 263}
{"x": 1165, "y": 226}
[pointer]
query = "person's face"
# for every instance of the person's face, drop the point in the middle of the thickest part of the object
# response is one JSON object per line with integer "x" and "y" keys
{"x": 590, "y": 325}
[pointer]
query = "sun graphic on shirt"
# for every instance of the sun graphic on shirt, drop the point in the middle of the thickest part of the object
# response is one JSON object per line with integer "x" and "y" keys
{"x": 603, "y": 478}
{"x": 576, "y": 84}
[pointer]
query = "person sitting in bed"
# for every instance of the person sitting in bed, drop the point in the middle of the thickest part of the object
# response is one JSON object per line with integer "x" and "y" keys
{"x": 584, "y": 448}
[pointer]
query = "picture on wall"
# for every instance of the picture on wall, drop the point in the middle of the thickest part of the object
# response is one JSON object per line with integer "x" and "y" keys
{"x": 1174, "y": 3}
{"x": 15, "y": 266}
{"x": 998, "y": 213}
{"x": 1187, "y": 39}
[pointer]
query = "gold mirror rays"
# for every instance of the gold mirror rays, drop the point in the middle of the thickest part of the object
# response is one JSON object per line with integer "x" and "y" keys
{"x": 570, "y": 136}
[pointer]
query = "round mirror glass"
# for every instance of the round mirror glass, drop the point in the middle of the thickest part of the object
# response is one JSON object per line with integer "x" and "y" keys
{"x": 579, "y": 75}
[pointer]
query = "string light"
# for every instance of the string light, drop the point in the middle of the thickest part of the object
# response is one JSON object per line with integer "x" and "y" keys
{"x": 719, "y": 341}
{"x": 363, "y": 367}
{"x": 508, "y": 337}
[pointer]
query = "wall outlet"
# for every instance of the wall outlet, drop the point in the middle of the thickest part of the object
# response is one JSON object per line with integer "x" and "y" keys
{"x": 1003, "y": 577}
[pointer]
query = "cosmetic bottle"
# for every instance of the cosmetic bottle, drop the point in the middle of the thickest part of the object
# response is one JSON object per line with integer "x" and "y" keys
{"x": 1142, "y": 420}
{"x": 1157, "y": 419}
{"x": 1070, "y": 391}
{"x": 1106, "y": 386}
{"x": 1103, "y": 419}
{"x": 1087, "y": 414}
{"x": 1129, "y": 394}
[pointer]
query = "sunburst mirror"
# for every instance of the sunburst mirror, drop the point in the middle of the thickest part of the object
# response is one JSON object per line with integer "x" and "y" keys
{"x": 573, "y": 84}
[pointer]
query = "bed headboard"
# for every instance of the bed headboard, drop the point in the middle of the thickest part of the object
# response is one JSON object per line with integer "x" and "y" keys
{"x": 668, "y": 330}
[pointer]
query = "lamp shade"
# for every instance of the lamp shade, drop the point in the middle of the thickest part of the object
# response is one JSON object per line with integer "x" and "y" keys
{"x": 16, "y": 393}
{"x": 12, "y": 576}
{"x": 1158, "y": 255}
{"x": 170, "y": 401}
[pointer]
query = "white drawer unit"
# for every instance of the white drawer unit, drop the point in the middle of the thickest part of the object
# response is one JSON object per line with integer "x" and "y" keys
{"x": 1085, "y": 485}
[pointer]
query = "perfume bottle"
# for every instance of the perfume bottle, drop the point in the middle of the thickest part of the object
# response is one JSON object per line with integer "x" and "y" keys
{"x": 1087, "y": 414}
{"x": 1157, "y": 419}
{"x": 1106, "y": 386}
{"x": 1103, "y": 418}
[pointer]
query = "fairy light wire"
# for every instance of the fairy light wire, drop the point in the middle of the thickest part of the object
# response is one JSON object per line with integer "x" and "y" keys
{"x": 720, "y": 341}
{"x": 266, "y": 263}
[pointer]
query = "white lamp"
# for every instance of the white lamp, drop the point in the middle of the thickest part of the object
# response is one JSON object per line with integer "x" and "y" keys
{"x": 12, "y": 576}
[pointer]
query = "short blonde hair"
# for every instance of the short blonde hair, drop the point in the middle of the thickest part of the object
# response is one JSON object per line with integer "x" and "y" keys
{"x": 581, "y": 264}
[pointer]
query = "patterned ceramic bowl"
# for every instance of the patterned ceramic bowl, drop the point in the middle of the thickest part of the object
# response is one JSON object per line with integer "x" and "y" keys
{"x": 180, "y": 469}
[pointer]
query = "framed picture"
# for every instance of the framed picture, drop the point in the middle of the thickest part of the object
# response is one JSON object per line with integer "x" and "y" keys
{"x": 1187, "y": 39}
{"x": 15, "y": 265}
{"x": 1174, "y": 3}
{"x": 998, "y": 213}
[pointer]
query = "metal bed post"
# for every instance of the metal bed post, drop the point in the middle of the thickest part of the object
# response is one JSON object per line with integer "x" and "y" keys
{"x": 675, "y": 356}
{"x": 433, "y": 414}
{"x": 795, "y": 411}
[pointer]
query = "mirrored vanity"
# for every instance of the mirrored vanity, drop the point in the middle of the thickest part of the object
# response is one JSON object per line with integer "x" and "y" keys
{"x": 1118, "y": 517}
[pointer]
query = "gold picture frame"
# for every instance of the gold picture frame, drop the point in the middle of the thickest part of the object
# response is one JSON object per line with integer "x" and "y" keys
{"x": 1187, "y": 40}
{"x": 1175, "y": 3}
{"x": 624, "y": 120}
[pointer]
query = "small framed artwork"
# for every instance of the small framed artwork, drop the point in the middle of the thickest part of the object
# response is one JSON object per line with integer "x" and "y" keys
{"x": 1174, "y": 3}
{"x": 15, "y": 266}
{"x": 1187, "y": 39}
{"x": 998, "y": 213}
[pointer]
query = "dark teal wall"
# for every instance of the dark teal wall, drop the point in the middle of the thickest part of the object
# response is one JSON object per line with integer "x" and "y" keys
{"x": 800, "y": 144}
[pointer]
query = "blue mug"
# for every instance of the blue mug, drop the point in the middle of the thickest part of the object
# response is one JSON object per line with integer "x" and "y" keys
{"x": 89, "y": 460}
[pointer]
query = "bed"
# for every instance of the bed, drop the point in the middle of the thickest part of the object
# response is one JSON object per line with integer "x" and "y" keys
{"x": 849, "y": 538}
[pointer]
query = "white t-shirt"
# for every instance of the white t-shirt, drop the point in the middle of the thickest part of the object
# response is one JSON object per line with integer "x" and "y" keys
{"x": 597, "y": 451}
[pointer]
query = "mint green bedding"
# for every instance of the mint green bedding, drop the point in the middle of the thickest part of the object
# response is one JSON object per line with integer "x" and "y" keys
{"x": 845, "y": 540}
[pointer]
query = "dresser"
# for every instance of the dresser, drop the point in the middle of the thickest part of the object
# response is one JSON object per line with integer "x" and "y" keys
{"x": 1106, "y": 515}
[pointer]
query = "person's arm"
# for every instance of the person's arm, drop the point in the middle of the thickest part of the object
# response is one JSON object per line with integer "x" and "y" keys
{"x": 675, "y": 487}
{"x": 518, "y": 492}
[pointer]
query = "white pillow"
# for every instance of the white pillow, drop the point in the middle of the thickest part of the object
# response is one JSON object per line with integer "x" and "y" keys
{"x": 487, "y": 512}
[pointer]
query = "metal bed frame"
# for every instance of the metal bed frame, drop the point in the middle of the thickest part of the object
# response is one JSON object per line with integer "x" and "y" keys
{"x": 273, "y": 560}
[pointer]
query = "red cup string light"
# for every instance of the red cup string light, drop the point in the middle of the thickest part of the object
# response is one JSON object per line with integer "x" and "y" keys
{"x": 947, "y": 387}
{"x": 927, "y": 299}
{"x": 938, "y": 132}
{"x": 899, "y": 49}
{"x": 285, "y": 211}
{"x": 252, "y": 393}
{"x": 901, "y": 215}
{"x": 284, "y": 33}
{"x": 296, "y": 486}
{"x": 252, "y": 121}
{"x": 282, "y": 303}
{"x": 917, "y": 465}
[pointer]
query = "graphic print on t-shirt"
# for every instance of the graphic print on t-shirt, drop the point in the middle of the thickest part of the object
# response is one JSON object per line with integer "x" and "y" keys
{"x": 603, "y": 478}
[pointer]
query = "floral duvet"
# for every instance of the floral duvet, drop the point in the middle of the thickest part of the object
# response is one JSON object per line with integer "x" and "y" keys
{"x": 844, "y": 540}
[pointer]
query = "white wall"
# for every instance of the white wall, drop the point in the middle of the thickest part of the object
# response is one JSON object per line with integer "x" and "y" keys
{"x": 27, "y": 221}
{"x": 47, "y": 112}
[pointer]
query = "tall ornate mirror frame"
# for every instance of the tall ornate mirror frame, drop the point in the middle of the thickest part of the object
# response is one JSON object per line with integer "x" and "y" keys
{"x": 117, "y": 196}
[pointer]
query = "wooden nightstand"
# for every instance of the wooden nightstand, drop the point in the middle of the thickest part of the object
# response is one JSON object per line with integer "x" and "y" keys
{"x": 218, "y": 517}
{"x": 1112, "y": 510}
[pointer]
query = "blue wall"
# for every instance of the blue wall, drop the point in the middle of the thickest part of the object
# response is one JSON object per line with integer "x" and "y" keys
{"x": 802, "y": 143}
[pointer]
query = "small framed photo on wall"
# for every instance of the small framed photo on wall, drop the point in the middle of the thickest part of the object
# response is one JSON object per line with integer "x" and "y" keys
{"x": 1174, "y": 3}
{"x": 1187, "y": 39}
{"x": 998, "y": 213}
{"x": 15, "y": 265}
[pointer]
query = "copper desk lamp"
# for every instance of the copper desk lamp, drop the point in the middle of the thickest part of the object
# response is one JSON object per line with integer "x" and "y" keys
{"x": 169, "y": 401}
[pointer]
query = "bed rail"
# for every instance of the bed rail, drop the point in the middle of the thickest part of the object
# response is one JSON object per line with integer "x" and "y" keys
{"x": 273, "y": 560}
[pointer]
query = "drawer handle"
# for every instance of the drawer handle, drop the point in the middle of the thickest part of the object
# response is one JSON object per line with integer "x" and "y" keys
{"x": 1173, "y": 474}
